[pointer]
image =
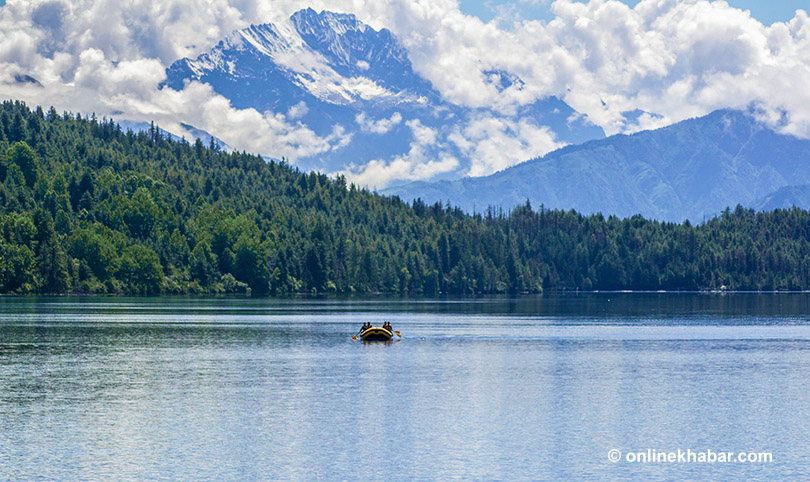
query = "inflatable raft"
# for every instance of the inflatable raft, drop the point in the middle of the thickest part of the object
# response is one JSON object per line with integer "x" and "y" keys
{"x": 376, "y": 333}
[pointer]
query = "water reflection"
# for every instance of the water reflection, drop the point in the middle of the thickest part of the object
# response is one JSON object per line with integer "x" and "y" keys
{"x": 489, "y": 389}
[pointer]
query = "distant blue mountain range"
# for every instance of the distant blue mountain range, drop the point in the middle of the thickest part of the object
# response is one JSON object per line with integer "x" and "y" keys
{"x": 785, "y": 198}
{"x": 328, "y": 69}
{"x": 689, "y": 170}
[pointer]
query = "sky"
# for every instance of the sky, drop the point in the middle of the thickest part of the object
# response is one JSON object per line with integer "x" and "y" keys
{"x": 766, "y": 11}
{"x": 668, "y": 59}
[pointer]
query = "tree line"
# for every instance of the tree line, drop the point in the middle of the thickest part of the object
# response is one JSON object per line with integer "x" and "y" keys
{"x": 86, "y": 207}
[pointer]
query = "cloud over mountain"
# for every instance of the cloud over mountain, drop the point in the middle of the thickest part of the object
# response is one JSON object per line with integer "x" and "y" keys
{"x": 665, "y": 60}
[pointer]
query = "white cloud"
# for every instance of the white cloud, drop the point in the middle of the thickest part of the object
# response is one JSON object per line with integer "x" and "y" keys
{"x": 412, "y": 166}
{"x": 494, "y": 143}
{"x": 298, "y": 111}
{"x": 108, "y": 57}
{"x": 425, "y": 159}
{"x": 422, "y": 135}
{"x": 677, "y": 59}
{"x": 131, "y": 87}
{"x": 674, "y": 58}
{"x": 380, "y": 126}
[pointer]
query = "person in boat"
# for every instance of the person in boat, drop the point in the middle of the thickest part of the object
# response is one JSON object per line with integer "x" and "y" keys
{"x": 387, "y": 326}
{"x": 365, "y": 327}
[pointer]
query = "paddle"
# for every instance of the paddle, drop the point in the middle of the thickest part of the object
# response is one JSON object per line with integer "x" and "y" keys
{"x": 355, "y": 336}
{"x": 361, "y": 331}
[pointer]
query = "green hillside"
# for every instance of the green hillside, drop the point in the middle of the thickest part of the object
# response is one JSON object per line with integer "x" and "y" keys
{"x": 88, "y": 208}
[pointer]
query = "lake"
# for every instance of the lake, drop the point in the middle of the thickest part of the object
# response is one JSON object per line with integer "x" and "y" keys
{"x": 530, "y": 388}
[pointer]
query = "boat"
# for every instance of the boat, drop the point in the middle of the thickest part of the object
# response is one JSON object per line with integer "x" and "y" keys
{"x": 376, "y": 333}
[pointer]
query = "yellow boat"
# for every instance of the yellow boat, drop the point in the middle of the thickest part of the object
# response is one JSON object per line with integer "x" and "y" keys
{"x": 376, "y": 333}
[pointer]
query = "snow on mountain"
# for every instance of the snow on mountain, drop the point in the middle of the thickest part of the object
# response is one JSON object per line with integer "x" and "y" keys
{"x": 356, "y": 85}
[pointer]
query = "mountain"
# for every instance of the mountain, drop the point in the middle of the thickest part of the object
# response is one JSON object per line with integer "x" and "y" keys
{"x": 335, "y": 74}
{"x": 190, "y": 134}
{"x": 689, "y": 170}
{"x": 785, "y": 198}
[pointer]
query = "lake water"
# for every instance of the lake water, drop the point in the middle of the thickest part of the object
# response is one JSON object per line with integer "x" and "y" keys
{"x": 534, "y": 388}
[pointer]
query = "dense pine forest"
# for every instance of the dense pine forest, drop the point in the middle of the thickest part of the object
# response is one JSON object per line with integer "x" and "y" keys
{"x": 88, "y": 208}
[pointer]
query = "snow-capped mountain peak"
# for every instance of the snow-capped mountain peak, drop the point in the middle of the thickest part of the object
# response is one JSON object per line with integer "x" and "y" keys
{"x": 331, "y": 73}
{"x": 333, "y": 57}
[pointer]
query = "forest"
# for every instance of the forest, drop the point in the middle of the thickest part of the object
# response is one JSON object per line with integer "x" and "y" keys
{"x": 86, "y": 207}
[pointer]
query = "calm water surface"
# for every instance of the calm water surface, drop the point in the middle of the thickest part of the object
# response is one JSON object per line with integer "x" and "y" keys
{"x": 538, "y": 388}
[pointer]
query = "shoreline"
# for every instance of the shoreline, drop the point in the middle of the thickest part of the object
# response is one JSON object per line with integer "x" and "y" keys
{"x": 398, "y": 296}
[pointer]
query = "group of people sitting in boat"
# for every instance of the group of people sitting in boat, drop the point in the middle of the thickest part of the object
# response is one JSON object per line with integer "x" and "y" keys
{"x": 385, "y": 325}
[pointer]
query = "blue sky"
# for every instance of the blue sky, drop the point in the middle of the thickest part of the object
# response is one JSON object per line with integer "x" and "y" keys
{"x": 766, "y": 12}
